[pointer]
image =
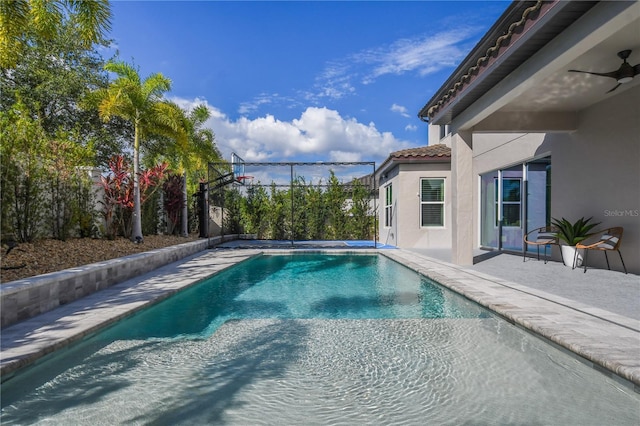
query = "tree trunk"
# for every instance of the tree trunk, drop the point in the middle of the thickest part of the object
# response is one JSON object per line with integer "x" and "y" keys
{"x": 185, "y": 212}
{"x": 136, "y": 234}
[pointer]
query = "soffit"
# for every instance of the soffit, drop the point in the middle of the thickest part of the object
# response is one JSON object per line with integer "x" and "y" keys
{"x": 564, "y": 91}
{"x": 522, "y": 31}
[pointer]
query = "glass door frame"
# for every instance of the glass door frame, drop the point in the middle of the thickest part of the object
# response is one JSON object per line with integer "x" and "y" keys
{"x": 524, "y": 199}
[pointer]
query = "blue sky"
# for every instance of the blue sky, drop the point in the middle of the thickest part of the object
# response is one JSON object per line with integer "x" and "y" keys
{"x": 304, "y": 81}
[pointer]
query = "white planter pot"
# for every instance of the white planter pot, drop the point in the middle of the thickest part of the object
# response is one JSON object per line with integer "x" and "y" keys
{"x": 569, "y": 255}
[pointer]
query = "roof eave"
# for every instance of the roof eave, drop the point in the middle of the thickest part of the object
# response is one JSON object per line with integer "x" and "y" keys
{"x": 391, "y": 162}
{"x": 524, "y": 28}
{"x": 513, "y": 11}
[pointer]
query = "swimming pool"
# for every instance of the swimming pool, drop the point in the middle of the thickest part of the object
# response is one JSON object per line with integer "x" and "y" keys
{"x": 315, "y": 339}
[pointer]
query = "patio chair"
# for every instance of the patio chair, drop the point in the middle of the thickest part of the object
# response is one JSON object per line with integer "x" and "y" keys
{"x": 609, "y": 240}
{"x": 543, "y": 236}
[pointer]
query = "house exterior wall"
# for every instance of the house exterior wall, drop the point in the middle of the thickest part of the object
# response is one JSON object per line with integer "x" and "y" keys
{"x": 497, "y": 150}
{"x": 406, "y": 231}
{"x": 595, "y": 170}
{"x": 412, "y": 235}
{"x": 388, "y": 234}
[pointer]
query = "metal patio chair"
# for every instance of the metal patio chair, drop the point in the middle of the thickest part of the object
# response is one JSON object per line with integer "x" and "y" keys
{"x": 609, "y": 241}
{"x": 543, "y": 236}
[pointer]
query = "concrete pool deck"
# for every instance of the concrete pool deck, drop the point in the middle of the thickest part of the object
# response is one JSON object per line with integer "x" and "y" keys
{"x": 585, "y": 314}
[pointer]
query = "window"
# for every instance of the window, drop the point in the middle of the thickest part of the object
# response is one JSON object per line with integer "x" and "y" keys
{"x": 388, "y": 206}
{"x": 511, "y": 202}
{"x": 431, "y": 202}
{"x": 444, "y": 131}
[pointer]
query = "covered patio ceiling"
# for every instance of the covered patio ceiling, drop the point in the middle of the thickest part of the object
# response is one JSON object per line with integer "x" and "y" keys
{"x": 528, "y": 86}
{"x": 567, "y": 91}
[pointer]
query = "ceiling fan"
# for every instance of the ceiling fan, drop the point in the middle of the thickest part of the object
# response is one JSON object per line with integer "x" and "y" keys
{"x": 622, "y": 75}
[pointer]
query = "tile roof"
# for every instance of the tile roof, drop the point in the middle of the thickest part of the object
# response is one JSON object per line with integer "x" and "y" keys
{"x": 500, "y": 45}
{"x": 423, "y": 152}
{"x": 439, "y": 153}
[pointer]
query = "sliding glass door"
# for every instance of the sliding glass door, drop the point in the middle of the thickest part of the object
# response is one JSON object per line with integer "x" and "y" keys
{"x": 514, "y": 200}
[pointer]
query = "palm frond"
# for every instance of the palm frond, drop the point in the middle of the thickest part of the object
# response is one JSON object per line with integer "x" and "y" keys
{"x": 124, "y": 71}
{"x": 199, "y": 115}
{"x": 93, "y": 18}
{"x": 115, "y": 103}
{"x": 156, "y": 85}
{"x": 46, "y": 17}
{"x": 14, "y": 16}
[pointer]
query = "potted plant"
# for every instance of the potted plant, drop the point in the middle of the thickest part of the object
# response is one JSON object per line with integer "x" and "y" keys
{"x": 571, "y": 234}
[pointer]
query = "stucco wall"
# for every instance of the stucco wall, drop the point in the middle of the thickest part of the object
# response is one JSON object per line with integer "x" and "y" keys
{"x": 595, "y": 170}
{"x": 388, "y": 234}
{"x": 495, "y": 151}
{"x": 406, "y": 231}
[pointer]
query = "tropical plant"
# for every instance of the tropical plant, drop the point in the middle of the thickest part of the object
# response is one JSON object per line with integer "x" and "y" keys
{"x": 24, "y": 21}
{"x": 51, "y": 79}
{"x": 336, "y": 201}
{"x": 300, "y": 216}
{"x": 232, "y": 211}
{"x": 118, "y": 186}
{"x": 23, "y": 179}
{"x": 278, "y": 214}
{"x": 65, "y": 182}
{"x": 360, "y": 219}
{"x": 255, "y": 211}
{"x": 317, "y": 208}
{"x": 189, "y": 155}
{"x": 141, "y": 103}
{"x": 173, "y": 201}
{"x": 574, "y": 232}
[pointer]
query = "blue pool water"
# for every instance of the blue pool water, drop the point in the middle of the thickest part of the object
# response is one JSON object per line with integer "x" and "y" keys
{"x": 298, "y": 286}
{"x": 315, "y": 339}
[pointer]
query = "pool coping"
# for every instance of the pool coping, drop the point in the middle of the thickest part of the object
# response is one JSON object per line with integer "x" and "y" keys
{"x": 606, "y": 341}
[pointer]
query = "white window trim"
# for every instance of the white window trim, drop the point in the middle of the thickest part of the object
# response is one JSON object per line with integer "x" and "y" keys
{"x": 500, "y": 214}
{"x": 444, "y": 216}
{"x": 388, "y": 208}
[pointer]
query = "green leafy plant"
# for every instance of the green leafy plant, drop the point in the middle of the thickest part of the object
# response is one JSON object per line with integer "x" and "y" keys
{"x": 573, "y": 233}
{"x": 118, "y": 187}
{"x": 173, "y": 201}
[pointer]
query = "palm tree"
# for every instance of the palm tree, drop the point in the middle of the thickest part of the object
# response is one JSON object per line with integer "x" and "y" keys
{"x": 203, "y": 150}
{"x": 140, "y": 102}
{"x": 191, "y": 154}
{"x": 24, "y": 20}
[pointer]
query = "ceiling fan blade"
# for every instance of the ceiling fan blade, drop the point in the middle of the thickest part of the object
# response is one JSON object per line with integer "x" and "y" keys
{"x": 636, "y": 70}
{"x": 612, "y": 74}
{"x": 616, "y": 86}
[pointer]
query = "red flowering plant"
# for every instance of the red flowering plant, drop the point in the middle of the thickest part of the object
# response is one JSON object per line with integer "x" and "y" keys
{"x": 118, "y": 193}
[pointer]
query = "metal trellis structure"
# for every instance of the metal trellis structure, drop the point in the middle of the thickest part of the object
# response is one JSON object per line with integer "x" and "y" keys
{"x": 326, "y": 203}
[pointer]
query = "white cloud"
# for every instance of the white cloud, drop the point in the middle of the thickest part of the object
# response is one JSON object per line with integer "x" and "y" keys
{"x": 402, "y": 110}
{"x": 251, "y": 106}
{"x": 266, "y": 99}
{"x": 319, "y": 134}
{"x": 411, "y": 128}
{"x": 423, "y": 55}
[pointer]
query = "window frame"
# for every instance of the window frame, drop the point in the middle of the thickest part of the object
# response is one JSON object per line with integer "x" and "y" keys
{"x": 388, "y": 205}
{"x": 507, "y": 203}
{"x": 433, "y": 202}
